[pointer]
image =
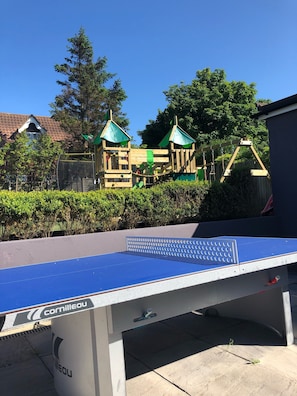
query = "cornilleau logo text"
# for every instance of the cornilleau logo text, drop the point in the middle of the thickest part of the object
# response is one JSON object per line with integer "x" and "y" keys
{"x": 65, "y": 308}
{"x": 52, "y": 311}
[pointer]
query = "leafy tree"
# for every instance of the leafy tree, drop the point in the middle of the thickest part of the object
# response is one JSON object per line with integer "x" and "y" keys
{"x": 88, "y": 92}
{"x": 29, "y": 164}
{"x": 44, "y": 156}
{"x": 3, "y": 149}
{"x": 18, "y": 160}
{"x": 210, "y": 108}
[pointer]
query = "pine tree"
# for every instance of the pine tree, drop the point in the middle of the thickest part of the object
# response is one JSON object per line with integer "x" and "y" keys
{"x": 88, "y": 92}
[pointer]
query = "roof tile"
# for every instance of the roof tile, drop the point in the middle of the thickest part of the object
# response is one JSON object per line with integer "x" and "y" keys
{"x": 10, "y": 123}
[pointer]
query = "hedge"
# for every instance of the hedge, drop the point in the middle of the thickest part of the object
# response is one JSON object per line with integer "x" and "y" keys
{"x": 42, "y": 213}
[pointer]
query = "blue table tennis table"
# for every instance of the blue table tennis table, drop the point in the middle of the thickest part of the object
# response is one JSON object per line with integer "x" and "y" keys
{"x": 92, "y": 300}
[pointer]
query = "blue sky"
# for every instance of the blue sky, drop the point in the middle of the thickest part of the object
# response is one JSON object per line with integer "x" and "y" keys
{"x": 149, "y": 45}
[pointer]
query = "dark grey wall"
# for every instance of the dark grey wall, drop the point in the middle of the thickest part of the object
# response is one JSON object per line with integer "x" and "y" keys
{"x": 255, "y": 226}
{"x": 283, "y": 155}
{"x": 41, "y": 250}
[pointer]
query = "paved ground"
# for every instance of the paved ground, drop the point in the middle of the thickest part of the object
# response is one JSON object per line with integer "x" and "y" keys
{"x": 188, "y": 355}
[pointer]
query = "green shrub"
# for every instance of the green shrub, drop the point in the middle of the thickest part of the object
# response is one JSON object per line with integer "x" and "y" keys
{"x": 40, "y": 214}
{"x": 185, "y": 199}
{"x": 233, "y": 199}
{"x": 136, "y": 209}
{"x": 16, "y": 214}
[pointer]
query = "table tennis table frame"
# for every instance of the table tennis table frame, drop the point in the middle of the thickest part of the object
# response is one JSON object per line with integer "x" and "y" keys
{"x": 102, "y": 328}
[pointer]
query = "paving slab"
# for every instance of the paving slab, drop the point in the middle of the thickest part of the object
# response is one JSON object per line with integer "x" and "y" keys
{"x": 25, "y": 362}
{"x": 26, "y": 378}
{"x": 209, "y": 365}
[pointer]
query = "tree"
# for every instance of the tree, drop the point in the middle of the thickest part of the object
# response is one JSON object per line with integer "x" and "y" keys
{"x": 3, "y": 149}
{"x": 18, "y": 160}
{"x": 88, "y": 92}
{"x": 210, "y": 108}
{"x": 29, "y": 164}
{"x": 44, "y": 157}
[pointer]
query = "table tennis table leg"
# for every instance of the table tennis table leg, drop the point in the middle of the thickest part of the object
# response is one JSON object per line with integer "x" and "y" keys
{"x": 288, "y": 322}
{"x": 271, "y": 308}
{"x": 88, "y": 358}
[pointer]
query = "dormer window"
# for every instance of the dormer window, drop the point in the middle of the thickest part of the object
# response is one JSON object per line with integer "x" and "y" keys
{"x": 32, "y": 131}
{"x": 32, "y": 128}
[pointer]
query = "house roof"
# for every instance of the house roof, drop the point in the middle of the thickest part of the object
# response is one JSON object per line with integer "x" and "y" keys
{"x": 11, "y": 123}
{"x": 276, "y": 108}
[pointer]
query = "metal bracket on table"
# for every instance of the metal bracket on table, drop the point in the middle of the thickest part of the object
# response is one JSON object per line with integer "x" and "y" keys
{"x": 148, "y": 314}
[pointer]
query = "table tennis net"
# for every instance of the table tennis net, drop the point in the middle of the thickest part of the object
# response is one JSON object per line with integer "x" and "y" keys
{"x": 194, "y": 249}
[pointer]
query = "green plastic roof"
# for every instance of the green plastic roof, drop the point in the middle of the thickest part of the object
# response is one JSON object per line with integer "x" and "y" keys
{"x": 97, "y": 140}
{"x": 88, "y": 138}
{"x": 112, "y": 133}
{"x": 178, "y": 136}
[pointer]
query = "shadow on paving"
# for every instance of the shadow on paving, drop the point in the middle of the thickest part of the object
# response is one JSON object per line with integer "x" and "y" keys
{"x": 153, "y": 346}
